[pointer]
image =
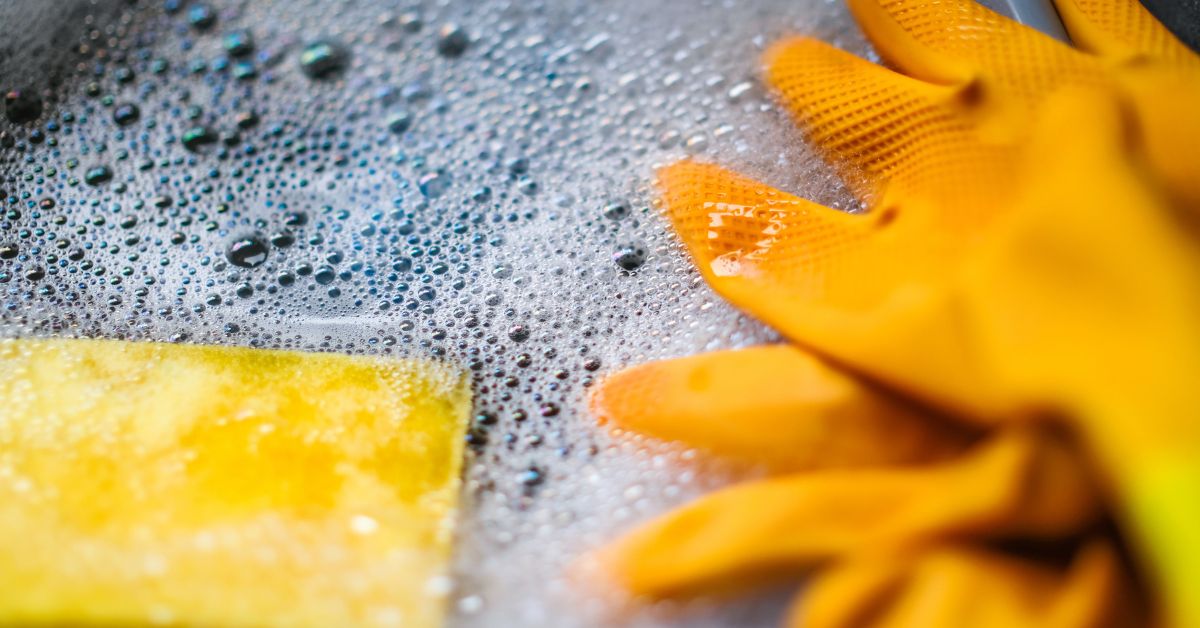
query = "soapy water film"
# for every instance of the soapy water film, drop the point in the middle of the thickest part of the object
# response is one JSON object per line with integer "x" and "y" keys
{"x": 470, "y": 181}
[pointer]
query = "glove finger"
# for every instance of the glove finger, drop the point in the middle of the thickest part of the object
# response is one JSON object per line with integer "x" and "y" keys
{"x": 775, "y": 405}
{"x": 1122, "y": 29}
{"x": 1019, "y": 484}
{"x": 951, "y": 587}
{"x": 884, "y": 129}
{"x": 960, "y": 42}
{"x": 733, "y": 225}
{"x": 780, "y": 256}
{"x": 771, "y": 253}
{"x": 952, "y": 41}
{"x": 834, "y": 281}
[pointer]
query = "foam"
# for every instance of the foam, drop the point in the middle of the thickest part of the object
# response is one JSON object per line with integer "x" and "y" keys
{"x": 557, "y": 108}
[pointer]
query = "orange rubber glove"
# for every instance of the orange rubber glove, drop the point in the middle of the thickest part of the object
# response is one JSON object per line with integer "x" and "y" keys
{"x": 972, "y": 588}
{"x": 1019, "y": 485}
{"x": 1030, "y": 253}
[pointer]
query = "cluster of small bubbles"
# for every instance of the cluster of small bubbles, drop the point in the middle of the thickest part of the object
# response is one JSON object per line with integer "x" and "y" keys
{"x": 467, "y": 181}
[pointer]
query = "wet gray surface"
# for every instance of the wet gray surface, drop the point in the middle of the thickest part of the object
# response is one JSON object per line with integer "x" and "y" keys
{"x": 469, "y": 181}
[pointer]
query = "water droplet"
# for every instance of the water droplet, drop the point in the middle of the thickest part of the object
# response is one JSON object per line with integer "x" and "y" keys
{"x": 323, "y": 59}
{"x": 527, "y": 185}
{"x": 247, "y": 252}
{"x": 20, "y": 106}
{"x": 738, "y": 91}
{"x": 198, "y": 137}
{"x": 246, "y": 120}
{"x": 201, "y": 17}
{"x": 452, "y": 41}
{"x": 517, "y": 165}
{"x": 238, "y": 43}
{"x": 124, "y": 74}
{"x": 399, "y": 122}
{"x": 325, "y": 275}
{"x": 434, "y": 184}
{"x": 295, "y": 219}
{"x": 531, "y": 477}
{"x": 282, "y": 239}
{"x": 410, "y": 22}
{"x": 98, "y": 175}
{"x": 127, "y": 114}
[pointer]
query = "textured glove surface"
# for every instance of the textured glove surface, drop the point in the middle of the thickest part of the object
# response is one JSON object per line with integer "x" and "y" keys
{"x": 1029, "y": 251}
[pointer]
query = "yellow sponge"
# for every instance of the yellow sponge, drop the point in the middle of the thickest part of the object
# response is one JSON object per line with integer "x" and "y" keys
{"x": 146, "y": 483}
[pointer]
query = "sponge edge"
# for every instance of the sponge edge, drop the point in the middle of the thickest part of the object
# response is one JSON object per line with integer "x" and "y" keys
{"x": 145, "y": 483}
